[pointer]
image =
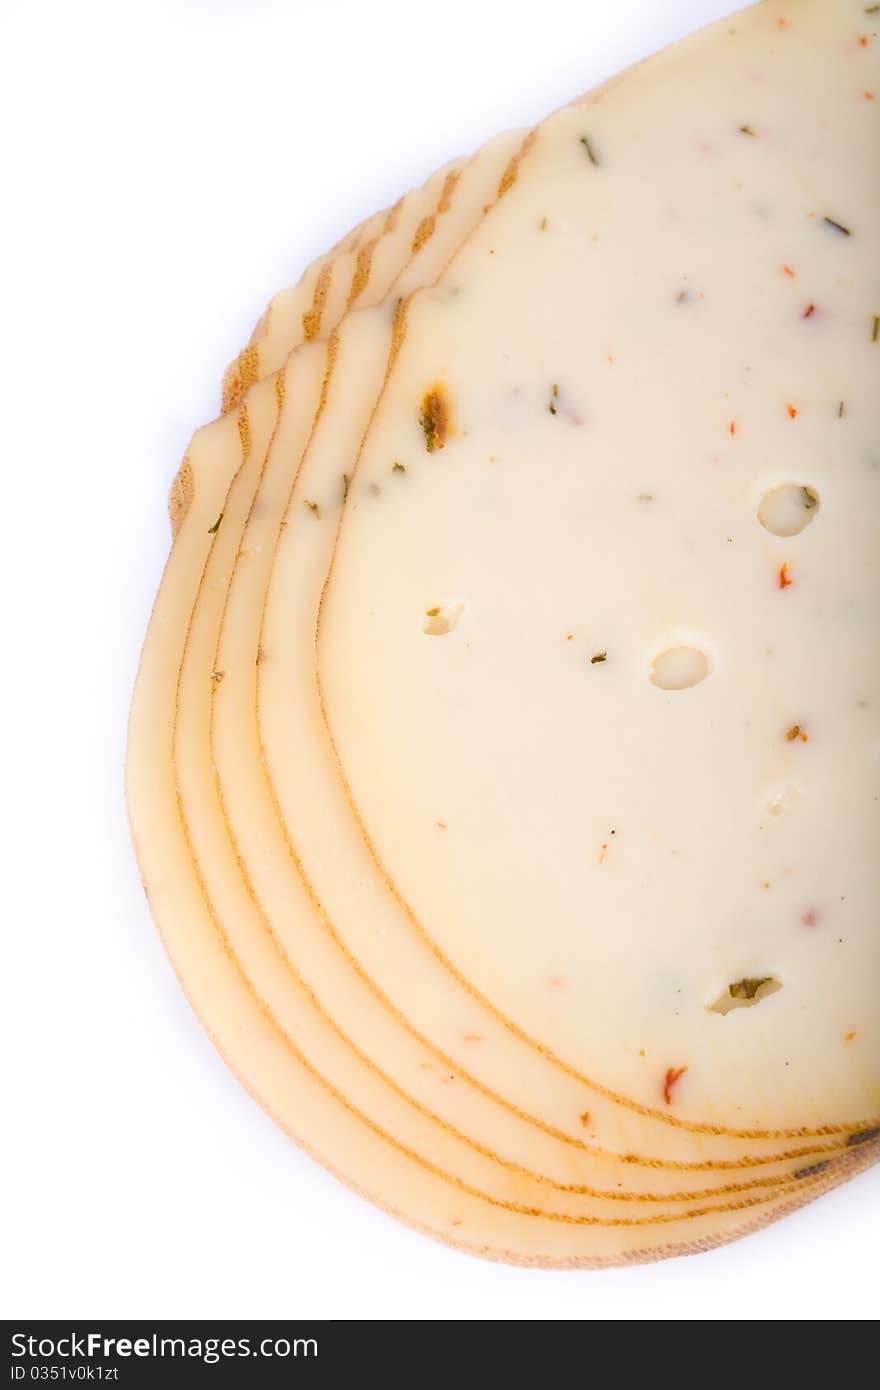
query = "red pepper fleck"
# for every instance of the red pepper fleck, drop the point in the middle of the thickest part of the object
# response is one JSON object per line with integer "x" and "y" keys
{"x": 784, "y": 577}
{"x": 732, "y": 427}
{"x": 585, "y": 1118}
{"x": 673, "y": 1075}
{"x": 792, "y": 412}
{"x": 810, "y": 309}
{"x": 848, "y": 1037}
{"x": 556, "y": 983}
{"x": 603, "y": 850}
{"x": 869, "y": 96}
{"x": 787, "y": 270}
{"x": 797, "y": 732}
{"x": 810, "y": 918}
{"x": 863, "y": 40}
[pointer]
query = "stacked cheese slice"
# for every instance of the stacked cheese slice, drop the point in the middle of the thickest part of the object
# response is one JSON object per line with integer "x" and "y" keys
{"x": 505, "y": 756}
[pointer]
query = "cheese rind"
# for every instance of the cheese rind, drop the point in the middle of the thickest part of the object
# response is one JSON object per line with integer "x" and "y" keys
{"x": 372, "y": 255}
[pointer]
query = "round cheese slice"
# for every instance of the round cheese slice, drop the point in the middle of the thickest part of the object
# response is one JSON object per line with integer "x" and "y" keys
{"x": 610, "y": 734}
{"x": 235, "y": 664}
{"x": 272, "y": 468}
{"x": 305, "y": 1101}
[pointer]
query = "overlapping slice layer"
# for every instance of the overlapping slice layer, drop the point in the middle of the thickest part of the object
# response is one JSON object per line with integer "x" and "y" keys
{"x": 373, "y": 255}
{"x": 272, "y": 1059}
{"x": 324, "y": 849}
{"x": 563, "y": 597}
{"x": 341, "y": 1021}
{"x": 575, "y": 1123}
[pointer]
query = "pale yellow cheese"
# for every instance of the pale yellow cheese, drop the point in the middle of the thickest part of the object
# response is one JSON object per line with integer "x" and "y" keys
{"x": 333, "y": 284}
{"x": 309, "y": 1031}
{"x": 321, "y": 848}
{"x": 600, "y": 858}
{"x": 267, "y": 1061}
{"x": 316, "y": 815}
{"x": 244, "y": 369}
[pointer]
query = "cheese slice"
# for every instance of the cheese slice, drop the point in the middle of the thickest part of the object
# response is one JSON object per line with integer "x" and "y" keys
{"x": 243, "y": 371}
{"x": 234, "y": 664}
{"x": 289, "y": 773}
{"x": 208, "y": 839}
{"x": 332, "y": 284}
{"x": 244, "y": 954}
{"x": 610, "y": 738}
{"x": 293, "y": 1088}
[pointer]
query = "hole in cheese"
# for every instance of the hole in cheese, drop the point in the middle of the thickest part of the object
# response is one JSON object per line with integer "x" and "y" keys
{"x": 787, "y": 510}
{"x": 442, "y": 619}
{"x": 678, "y": 668}
{"x": 744, "y": 993}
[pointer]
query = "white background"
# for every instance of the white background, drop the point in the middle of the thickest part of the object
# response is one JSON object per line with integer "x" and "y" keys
{"x": 167, "y": 167}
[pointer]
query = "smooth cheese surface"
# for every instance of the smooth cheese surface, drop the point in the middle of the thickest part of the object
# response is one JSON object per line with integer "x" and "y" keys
{"x": 261, "y": 920}
{"x": 264, "y": 1058}
{"x": 418, "y": 1029}
{"x": 323, "y": 845}
{"x": 693, "y": 327}
{"x": 319, "y": 859}
{"x": 318, "y": 984}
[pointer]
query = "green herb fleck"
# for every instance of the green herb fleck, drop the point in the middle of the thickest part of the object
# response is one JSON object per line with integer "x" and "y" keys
{"x": 212, "y": 530}
{"x": 313, "y": 508}
{"x": 594, "y": 661}
{"x": 591, "y": 153}
{"x": 345, "y": 482}
{"x": 543, "y": 224}
{"x": 875, "y": 327}
{"x": 838, "y": 226}
{"x": 554, "y": 397}
{"x": 747, "y": 988}
{"x": 398, "y": 468}
{"x": 840, "y": 410}
{"x": 871, "y": 9}
{"x": 811, "y": 498}
{"x": 746, "y": 130}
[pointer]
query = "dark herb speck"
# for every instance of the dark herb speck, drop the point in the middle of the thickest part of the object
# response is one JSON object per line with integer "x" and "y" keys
{"x": 812, "y": 1171}
{"x": 862, "y": 1137}
{"x": 591, "y": 153}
